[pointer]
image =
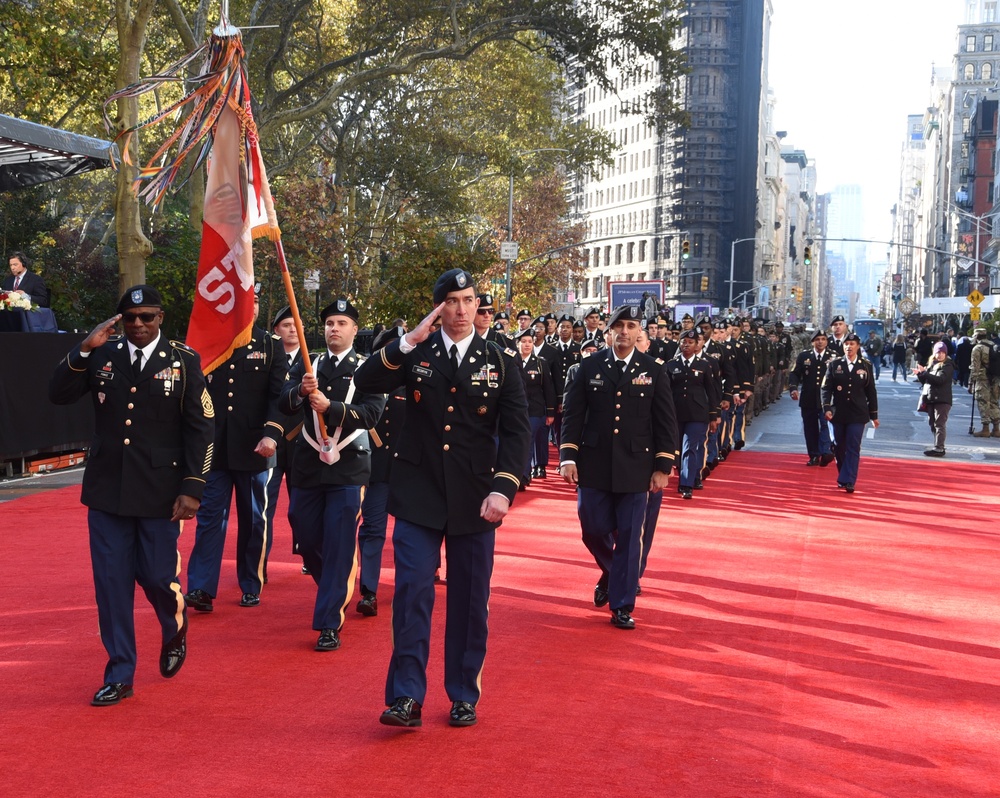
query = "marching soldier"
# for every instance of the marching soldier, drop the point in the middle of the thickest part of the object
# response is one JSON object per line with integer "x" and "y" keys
{"x": 328, "y": 479}
{"x": 540, "y": 393}
{"x": 839, "y": 329}
{"x": 593, "y": 332}
{"x": 146, "y": 473}
{"x": 805, "y": 385}
{"x": 567, "y": 353}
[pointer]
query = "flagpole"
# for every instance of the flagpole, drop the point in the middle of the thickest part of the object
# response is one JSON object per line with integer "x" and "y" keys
{"x": 286, "y": 277}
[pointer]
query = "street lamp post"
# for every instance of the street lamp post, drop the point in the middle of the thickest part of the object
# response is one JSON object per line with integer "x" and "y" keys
{"x": 732, "y": 265}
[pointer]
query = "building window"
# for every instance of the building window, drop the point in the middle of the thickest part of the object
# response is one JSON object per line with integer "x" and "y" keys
{"x": 630, "y": 252}
{"x": 987, "y": 73}
{"x": 970, "y": 44}
{"x": 970, "y": 72}
{"x": 990, "y": 11}
{"x": 642, "y": 252}
{"x": 618, "y": 254}
{"x": 965, "y": 124}
{"x": 988, "y": 43}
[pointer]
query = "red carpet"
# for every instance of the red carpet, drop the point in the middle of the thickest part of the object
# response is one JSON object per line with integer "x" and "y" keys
{"x": 791, "y": 641}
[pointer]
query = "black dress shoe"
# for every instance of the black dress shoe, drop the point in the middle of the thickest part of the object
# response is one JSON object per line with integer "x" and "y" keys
{"x": 601, "y": 594}
{"x": 329, "y": 640}
{"x": 934, "y": 452}
{"x": 305, "y": 570}
{"x": 621, "y": 619}
{"x": 462, "y": 714}
{"x": 849, "y": 487}
{"x": 250, "y": 600}
{"x": 698, "y": 485}
{"x": 826, "y": 459}
{"x": 174, "y": 652}
{"x": 686, "y": 493}
{"x": 368, "y": 605}
{"x": 813, "y": 461}
{"x": 541, "y": 474}
{"x": 199, "y": 600}
{"x": 402, "y": 712}
{"x": 110, "y": 694}
{"x": 638, "y": 589}
{"x": 739, "y": 445}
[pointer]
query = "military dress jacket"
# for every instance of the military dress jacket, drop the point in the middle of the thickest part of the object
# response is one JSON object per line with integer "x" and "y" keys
{"x": 385, "y": 436}
{"x": 695, "y": 390}
{"x": 466, "y": 435}
{"x": 724, "y": 356}
{"x": 153, "y": 433}
{"x": 360, "y": 413}
{"x": 560, "y": 365}
{"x": 806, "y": 377}
{"x": 245, "y": 391}
{"x": 539, "y": 390}
{"x": 619, "y": 427}
{"x": 850, "y": 394}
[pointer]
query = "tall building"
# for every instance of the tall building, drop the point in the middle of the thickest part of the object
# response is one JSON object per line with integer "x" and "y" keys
{"x": 698, "y": 185}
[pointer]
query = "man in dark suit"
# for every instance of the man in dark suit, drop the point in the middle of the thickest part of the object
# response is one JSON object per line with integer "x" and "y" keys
{"x": 248, "y": 425}
{"x": 850, "y": 401}
{"x": 454, "y": 476}
{"x": 329, "y": 474}
{"x": 805, "y": 382}
{"x": 25, "y": 282}
{"x": 696, "y": 401}
{"x": 540, "y": 394}
{"x": 145, "y": 474}
{"x": 619, "y": 439}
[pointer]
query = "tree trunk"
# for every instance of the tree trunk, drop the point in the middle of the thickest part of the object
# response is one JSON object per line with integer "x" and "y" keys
{"x": 133, "y": 245}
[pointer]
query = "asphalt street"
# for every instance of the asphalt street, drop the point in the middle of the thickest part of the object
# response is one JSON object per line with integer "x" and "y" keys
{"x": 903, "y": 431}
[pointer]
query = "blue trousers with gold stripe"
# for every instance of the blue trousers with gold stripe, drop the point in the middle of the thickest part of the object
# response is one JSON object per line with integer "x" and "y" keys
{"x": 470, "y": 567}
{"x": 618, "y": 555}
{"x": 125, "y": 550}
{"x": 325, "y": 524}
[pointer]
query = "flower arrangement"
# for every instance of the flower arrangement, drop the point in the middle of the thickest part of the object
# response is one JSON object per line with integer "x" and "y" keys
{"x": 12, "y": 300}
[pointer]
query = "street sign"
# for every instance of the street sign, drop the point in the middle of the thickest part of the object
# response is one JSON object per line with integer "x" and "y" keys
{"x": 975, "y": 297}
{"x": 974, "y": 314}
{"x": 311, "y": 281}
{"x": 995, "y": 289}
{"x": 907, "y": 306}
{"x": 508, "y": 250}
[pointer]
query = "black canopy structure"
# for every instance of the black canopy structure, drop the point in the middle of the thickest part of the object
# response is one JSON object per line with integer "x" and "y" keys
{"x": 32, "y": 154}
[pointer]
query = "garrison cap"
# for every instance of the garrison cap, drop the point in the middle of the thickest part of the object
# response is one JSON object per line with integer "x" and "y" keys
{"x": 452, "y": 280}
{"x": 661, "y": 321}
{"x": 140, "y": 296}
{"x": 625, "y": 313}
{"x": 687, "y": 317}
{"x": 339, "y": 307}
{"x": 281, "y": 315}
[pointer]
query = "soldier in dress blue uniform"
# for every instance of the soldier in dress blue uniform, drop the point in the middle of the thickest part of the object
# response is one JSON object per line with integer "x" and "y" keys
{"x": 146, "y": 473}
{"x": 453, "y": 478}
{"x": 567, "y": 353}
{"x": 374, "y": 516}
{"x": 716, "y": 350}
{"x": 540, "y": 393}
{"x": 839, "y": 331}
{"x": 850, "y": 401}
{"x": 327, "y": 491}
{"x": 248, "y": 425}
{"x": 593, "y": 332}
{"x": 805, "y": 383}
{"x": 619, "y": 439}
{"x": 696, "y": 399}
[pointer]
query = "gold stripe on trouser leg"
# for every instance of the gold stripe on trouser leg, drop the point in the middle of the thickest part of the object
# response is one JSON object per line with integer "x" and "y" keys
{"x": 349, "y": 592}
{"x": 267, "y": 532}
{"x": 178, "y": 594}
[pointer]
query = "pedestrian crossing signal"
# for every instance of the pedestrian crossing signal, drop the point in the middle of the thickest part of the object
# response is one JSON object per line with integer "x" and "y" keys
{"x": 685, "y": 249}
{"x": 704, "y": 283}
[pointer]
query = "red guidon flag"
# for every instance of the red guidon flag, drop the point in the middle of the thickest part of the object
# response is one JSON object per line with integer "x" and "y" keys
{"x": 238, "y": 209}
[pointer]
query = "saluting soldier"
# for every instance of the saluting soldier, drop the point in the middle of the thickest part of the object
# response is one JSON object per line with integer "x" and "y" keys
{"x": 619, "y": 439}
{"x": 146, "y": 473}
{"x": 805, "y": 382}
{"x": 328, "y": 479}
{"x": 850, "y": 401}
{"x": 453, "y": 478}
{"x": 696, "y": 400}
{"x": 248, "y": 425}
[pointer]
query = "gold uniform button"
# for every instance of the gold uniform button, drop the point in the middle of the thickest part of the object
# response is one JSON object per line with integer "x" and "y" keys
{"x": 232, "y": 365}
{"x": 617, "y": 418}
{"x": 231, "y": 380}
{"x": 451, "y": 409}
{"x": 447, "y": 428}
{"x": 132, "y": 389}
{"x": 446, "y": 447}
{"x": 618, "y": 394}
{"x": 453, "y": 390}
{"x": 127, "y": 441}
{"x": 230, "y": 394}
{"x": 128, "y": 422}
{"x": 230, "y": 408}
{"x": 616, "y": 432}
{"x": 131, "y": 406}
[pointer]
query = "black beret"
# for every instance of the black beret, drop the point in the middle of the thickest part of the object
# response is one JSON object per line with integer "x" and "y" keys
{"x": 539, "y": 320}
{"x": 687, "y": 317}
{"x": 256, "y": 288}
{"x": 590, "y": 343}
{"x": 593, "y": 312}
{"x": 690, "y": 334}
{"x": 721, "y": 325}
{"x": 820, "y": 333}
{"x": 281, "y": 315}
{"x": 704, "y": 320}
{"x": 550, "y": 316}
{"x": 778, "y": 324}
{"x": 529, "y": 333}
{"x": 625, "y": 313}
{"x": 340, "y": 307}
{"x": 387, "y": 335}
{"x": 676, "y": 327}
{"x": 835, "y": 319}
{"x": 452, "y": 280}
{"x": 853, "y": 337}
{"x": 524, "y": 312}
{"x": 566, "y": 317}
{"x": 140, "y": 296}
{"x": 578, "y": 323}
{"x": 485, "y": 300}
{"x": 501, "y": 315}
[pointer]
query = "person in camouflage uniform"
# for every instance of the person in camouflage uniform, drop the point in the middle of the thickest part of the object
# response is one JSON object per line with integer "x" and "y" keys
{"x": 986, "y": 389}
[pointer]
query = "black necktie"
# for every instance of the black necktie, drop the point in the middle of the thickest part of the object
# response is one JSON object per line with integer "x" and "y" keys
{"x": 333, "y": 361}
{"x": 289, "y": 359}
{"x": 621, "y": 367}
{"x": 137, "y": 364}
{"x": 454, "y": 357}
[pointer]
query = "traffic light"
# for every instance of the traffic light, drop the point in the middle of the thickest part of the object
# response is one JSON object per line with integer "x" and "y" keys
{"x": 704, "y": 283}
{"x": 808, "y": 255}
{"x": 685, "y": 249}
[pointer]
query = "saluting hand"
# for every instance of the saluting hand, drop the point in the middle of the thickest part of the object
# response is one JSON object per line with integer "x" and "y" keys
{"x": 423, "y": 330}
{"x": 100, "y": 334}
